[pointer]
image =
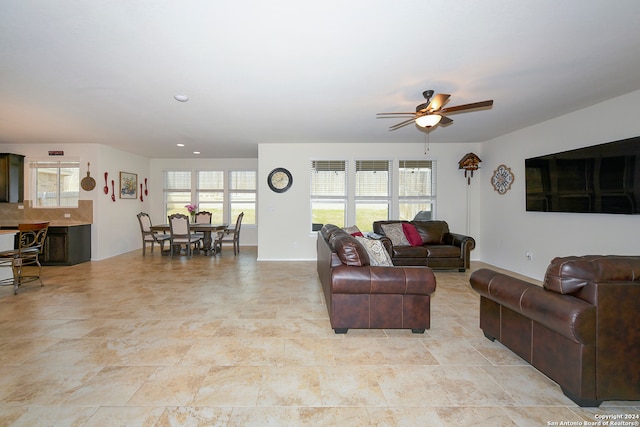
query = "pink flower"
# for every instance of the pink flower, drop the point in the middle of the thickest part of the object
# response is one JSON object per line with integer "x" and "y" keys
{"x": 191, "y": 208}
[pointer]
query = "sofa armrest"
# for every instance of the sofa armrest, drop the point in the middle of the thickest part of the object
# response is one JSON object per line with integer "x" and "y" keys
{"x": 459, "y": 240}
{"x": 567, "y": 315}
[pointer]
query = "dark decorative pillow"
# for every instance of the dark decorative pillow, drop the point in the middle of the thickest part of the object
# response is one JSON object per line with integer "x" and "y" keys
{"x": 412, "y": 234}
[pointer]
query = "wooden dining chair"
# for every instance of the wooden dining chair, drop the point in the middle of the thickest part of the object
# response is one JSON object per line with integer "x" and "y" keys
{"x": 203, "y": 217}
{"x": 181, "y": 234}
{"x": 149, "y": 236}
{"x": 25, "y": 260}
{"x": 230, "y": 235}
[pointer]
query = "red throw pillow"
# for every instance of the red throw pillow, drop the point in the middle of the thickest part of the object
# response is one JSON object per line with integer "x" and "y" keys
{"x": 411, "y": 234}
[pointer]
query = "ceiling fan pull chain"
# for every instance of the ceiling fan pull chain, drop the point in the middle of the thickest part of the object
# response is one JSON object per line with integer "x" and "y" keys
{"x": 426, "y": 142}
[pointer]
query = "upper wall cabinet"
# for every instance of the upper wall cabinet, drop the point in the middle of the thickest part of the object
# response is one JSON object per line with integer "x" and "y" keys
{"x": 11, "y": 178}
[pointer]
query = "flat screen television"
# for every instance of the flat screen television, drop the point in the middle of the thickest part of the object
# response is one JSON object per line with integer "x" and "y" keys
{"x": 603, "y": 178}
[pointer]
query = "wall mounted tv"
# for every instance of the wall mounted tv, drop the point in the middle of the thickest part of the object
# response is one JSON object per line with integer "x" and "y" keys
{"x": 603, "y": 178}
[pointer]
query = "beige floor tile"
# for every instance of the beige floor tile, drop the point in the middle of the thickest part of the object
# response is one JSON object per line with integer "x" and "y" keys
{"x": 290, "y": 386}
{"x": 228, "y": 340}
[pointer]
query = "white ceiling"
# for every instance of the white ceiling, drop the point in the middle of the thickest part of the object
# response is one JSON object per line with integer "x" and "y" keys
{"x": 106, "y": 72}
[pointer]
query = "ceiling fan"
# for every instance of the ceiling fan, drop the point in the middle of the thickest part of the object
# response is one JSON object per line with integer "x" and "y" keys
{"x": 433, "y": 111}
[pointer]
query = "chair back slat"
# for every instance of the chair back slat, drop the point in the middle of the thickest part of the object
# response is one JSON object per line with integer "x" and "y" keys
{"x": 203, "y": 217}
{"x": 32, "y": 236}
{"x": 145, "y": 222}
{"x": 239, "y": 222}
{"x": 179, "y": 224}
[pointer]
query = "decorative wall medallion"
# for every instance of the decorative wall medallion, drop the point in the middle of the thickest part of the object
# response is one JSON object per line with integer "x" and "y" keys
{"x": 502, "y": 179}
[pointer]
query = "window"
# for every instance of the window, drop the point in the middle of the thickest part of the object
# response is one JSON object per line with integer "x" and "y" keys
{"x": 328, "y": 192}
{"x": 416, "y": 188}
{"x": 224, "y": 194}
{"x": 56, "y": 183}
{"x": 210, "y": 194}
{"x": 177, "y": 191}
{"x": 242, "y": 196}
{"x": 372, "y": 192}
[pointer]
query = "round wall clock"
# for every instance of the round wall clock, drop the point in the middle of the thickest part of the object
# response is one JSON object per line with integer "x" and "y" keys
{"x": 280, "y": 180}
{"x": 502, "y": 179}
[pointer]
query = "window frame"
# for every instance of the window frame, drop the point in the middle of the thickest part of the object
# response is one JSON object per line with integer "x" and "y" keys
{"x": 339, "y": 198}
{"x": 57, "y": 164}
{"x": 394, "y": 199}
{"x": 194, "y": 191}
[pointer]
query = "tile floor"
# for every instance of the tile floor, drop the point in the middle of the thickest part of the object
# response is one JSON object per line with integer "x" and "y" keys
{"x": 227, "y": 340}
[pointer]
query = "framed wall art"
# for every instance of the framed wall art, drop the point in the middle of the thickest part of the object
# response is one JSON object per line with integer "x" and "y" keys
{"x": 502, "y": 179}
{"x": 128, "y": 185}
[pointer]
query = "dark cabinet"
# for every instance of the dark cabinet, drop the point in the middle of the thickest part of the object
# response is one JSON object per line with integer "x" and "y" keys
{"x": 67, "y": 245}
{"x": 11, "y": 178}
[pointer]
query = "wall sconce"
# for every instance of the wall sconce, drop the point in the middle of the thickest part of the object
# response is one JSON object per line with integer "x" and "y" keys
{"x": 470, "y": 162}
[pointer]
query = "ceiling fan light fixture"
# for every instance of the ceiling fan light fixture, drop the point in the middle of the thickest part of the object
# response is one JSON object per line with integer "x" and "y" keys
{"x": 428, "y": 120}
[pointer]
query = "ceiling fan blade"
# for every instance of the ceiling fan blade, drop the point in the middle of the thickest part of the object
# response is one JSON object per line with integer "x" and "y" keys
{"x": 472, "y": 106}
{"x": 444, "y": 120}
{"x": 422, "y": 108}
{"x": 438, "y": 101}
{"x": 389, "y": 114}
{"x": 401, "y": 124}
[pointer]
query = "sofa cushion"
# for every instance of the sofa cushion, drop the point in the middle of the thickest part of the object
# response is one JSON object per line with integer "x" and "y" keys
{"x": 395, "y": 233}
{"x": 411, "y": 234}
{"x": 378, "y": 255}
{"x": 350, "y": 251}
{"x": 432, "y": 232}
{"x": 443, "y": 251}
{"x": 567, "y": 275}
{"x": 409, "y": 252}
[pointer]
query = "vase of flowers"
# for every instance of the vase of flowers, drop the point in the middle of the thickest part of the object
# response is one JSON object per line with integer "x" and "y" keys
{"x": 192, "y": 211}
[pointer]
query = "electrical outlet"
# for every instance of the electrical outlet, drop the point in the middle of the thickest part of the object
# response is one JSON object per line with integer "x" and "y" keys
{"x": 67, "y": 215}
{"x": 529, "y": 255}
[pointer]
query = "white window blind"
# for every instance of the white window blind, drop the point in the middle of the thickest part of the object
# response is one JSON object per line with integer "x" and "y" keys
{"x": 372, "y": 192}
{"x": 328, "y": 192}
{"x": 416, "y": 188}
{"x": 242, "y": 196}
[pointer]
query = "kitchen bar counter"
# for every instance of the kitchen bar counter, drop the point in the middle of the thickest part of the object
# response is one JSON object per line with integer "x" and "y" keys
{"x": 67, "y": 243}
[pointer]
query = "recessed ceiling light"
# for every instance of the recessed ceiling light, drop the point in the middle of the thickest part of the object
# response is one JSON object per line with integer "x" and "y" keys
{"x": 181, "y": 98}
{"x": 196, "y": 152}
{"x": 180, "y": 145}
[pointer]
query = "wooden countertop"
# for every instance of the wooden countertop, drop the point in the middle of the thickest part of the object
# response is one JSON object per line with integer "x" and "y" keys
{"x": 14, "y": 227}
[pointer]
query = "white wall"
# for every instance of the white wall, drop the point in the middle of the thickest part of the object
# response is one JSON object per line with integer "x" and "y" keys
{"x": 285, "y": 218}
{"x": 115, "y": 227}
{"x": 249, "y": 233}
{"x": 508, "y": 231}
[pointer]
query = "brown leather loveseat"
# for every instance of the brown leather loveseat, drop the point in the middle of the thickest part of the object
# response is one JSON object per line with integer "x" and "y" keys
{"x": 580, "y": 328}
{"x": 359, "y": 295}
{"x": 438, "y": 248}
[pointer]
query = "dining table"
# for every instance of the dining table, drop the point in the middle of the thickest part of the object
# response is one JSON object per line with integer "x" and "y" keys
{"x": 205, "y": 228}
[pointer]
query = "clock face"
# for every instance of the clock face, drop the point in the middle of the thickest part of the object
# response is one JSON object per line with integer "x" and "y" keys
{"x": 280, "y": 180}
{"x": 502, "y": 179}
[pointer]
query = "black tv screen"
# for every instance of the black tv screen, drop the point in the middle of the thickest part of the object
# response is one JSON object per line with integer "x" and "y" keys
{"x": 603, "y": 178}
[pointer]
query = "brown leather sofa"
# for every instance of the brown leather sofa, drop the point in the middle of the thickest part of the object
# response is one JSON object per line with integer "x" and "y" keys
{"x": 580, "y": 328}
{"x": 362, "y": 296}
{"x": 440, "y": 249}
